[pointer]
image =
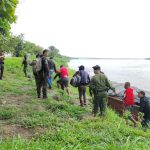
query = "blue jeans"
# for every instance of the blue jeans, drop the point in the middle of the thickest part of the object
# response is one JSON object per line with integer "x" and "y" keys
{"x": 49, "y": 79}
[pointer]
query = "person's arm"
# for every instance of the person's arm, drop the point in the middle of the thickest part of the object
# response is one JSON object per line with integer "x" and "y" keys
{"x": 55, "y": 68}
{"x": 76, "y": 73}
{"x": 108, "y": 84}
{"x": 58, "y": 71}
{"x": 56, "y": 76}
{"x": 91, "y": 87}
{"x": 89, "y": 79}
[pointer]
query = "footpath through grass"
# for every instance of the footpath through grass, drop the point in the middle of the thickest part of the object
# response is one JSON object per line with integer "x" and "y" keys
{"x": 28, "y": 123}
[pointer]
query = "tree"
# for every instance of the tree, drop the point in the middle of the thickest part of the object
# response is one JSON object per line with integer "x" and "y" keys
{"x": 53, "y": 51}
{"x": 15, "y": 44}
{"x": 31, "y": 48}
{"x": 7, "y": 15}
{"x": 20, "y": 47}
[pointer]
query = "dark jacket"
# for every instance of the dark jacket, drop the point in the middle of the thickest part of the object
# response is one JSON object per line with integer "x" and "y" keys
{"x": 51, "y": 65}
{"x": 85, "y": 78}
{"x": 145, "y": 105}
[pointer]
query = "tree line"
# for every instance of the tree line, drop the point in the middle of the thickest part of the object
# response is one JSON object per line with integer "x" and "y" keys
{"x": 15, "y": 44}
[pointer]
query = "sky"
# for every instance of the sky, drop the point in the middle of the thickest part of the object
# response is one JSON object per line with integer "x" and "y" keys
{"x": 87, "y": 28}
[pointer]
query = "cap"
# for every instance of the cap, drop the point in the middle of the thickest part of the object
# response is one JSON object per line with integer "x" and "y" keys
{"x": 97, "y": 67}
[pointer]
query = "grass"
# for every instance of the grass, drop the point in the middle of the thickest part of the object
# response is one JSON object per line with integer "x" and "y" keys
{"x": 58, "y": 124}
{"x": 7, "y": 112}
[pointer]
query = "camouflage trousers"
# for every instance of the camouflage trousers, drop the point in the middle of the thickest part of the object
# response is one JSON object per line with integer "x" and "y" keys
{"x": 100, "y": 103}
{"x": 41, "y": 83}
{"x": 1, "y": 71}
{"x": 25, "y": 71}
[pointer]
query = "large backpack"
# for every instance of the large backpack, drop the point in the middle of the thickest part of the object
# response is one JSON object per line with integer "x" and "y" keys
{"x": 75, "y": 81}
{"x": 37, "y": 65}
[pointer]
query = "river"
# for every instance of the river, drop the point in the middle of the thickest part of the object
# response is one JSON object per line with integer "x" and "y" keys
{"x": 135, "y": 71}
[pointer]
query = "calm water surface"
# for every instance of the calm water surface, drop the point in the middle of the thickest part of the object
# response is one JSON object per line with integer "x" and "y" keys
{"x": 135, "y": 71}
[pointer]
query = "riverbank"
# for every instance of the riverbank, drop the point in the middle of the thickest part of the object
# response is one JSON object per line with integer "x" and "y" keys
{"x": 58, "y": 122}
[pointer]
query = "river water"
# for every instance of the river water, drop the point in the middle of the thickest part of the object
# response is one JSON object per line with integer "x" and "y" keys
{"x": 135, "y": 71}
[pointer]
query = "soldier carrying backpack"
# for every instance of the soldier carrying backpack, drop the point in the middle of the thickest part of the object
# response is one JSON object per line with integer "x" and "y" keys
{"x": 82, "y": 79}
{"x": 36, "y": 66}
{"x": 41, "y": 72}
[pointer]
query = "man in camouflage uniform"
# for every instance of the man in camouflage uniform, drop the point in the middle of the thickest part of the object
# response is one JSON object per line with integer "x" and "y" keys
{"x": 42, "y": 76}
{"x": 98, "y": 87}
{"x": 25, "y": 65}
{"x": 1, "y": 65}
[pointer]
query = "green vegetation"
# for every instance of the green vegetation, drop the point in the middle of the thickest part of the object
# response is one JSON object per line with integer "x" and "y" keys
{"x": 28, "y": 123}
{"x": 7, "y": 15}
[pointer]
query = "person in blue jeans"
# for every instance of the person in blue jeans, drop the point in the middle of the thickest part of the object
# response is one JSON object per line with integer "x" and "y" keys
{"x": 52, "y": 68}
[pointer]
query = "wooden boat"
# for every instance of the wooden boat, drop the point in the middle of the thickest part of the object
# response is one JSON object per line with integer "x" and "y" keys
{"x": 117, "y": 104}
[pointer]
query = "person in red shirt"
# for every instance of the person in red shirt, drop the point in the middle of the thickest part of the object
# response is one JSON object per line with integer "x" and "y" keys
{"x": 63, "y": 72}
{"x": 64, "y": 78}
{"x": 128, "y": 95}
{"x": 129, "y": 102}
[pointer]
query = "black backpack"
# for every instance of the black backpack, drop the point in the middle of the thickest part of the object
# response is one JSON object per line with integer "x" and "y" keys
{"x": 75, "y": 81}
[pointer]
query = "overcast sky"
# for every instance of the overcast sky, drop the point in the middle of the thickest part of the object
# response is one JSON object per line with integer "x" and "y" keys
{"x": 92, "y": 28}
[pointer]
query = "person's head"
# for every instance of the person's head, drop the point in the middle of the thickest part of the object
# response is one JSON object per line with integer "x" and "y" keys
{"x": 97, "y": 69}
{"x": 61, "y": 66}
{"x": 141, "y": 94}
{"x": 25, "y": 56}
{"x": 81, "y": 67}
{"x": 45, "y": 53}
{"x": 127, "y": 85}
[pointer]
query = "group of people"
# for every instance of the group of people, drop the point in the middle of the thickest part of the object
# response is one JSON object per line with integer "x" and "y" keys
{"x": 99, "y": 85}
{"x": 43, "y": 68}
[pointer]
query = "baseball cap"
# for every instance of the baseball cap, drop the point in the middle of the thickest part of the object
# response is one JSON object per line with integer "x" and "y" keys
{"x": 97, "y": 67}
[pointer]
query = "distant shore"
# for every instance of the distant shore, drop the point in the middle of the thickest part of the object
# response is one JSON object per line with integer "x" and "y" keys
{"x": 110, "y": 58}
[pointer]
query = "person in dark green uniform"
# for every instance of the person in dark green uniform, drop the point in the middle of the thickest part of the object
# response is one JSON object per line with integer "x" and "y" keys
{"x": 42, "y": 75}
{"x": 99, "y": 87}
{"x": 25, "y": 65}
{"x": 2, "y": 58}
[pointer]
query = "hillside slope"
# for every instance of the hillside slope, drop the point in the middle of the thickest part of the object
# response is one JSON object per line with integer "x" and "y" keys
{"x": 28, "y": 123}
